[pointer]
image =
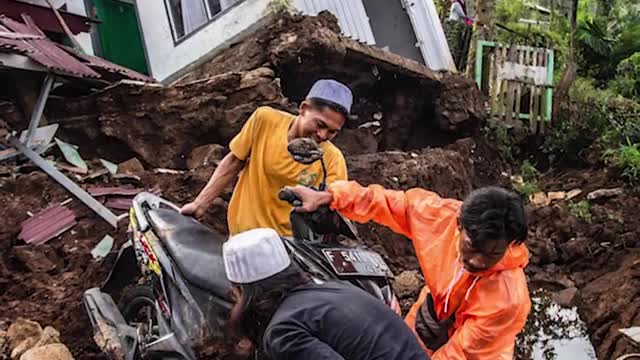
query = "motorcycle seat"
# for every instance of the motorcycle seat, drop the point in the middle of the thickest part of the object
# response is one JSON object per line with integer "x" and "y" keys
{"x": 195, "y": 249}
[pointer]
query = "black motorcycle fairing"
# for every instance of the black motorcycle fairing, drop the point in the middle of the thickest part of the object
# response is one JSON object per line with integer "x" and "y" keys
{"x": 195, "y": 249}
{"x": 124, "y": 270}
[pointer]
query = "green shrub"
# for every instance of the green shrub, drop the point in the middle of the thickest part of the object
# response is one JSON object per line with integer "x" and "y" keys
{"x": 581, "y": 210}
{"x": 528, "y": 170}
{"x": 526, "y": 189}
{"x": 593, "y": 114}
{"x": 627, "y": 158}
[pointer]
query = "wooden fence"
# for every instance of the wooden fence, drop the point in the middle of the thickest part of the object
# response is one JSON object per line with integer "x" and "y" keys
{"x": 517, "y": 80}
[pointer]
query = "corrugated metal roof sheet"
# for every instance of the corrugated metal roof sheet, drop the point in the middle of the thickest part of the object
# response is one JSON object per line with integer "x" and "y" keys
{"x": 113, "y": 190}
{"x": 44, "y": 17}
{"x": 102, "y": 64}
{"x": 119, "y": 203}
{"x": 55, "y": 57}
{"x": 47, "y": 224}
{"x": 351, "y": 14}
{"x": 428, "y": 29}
{"x": 44, "y": 51}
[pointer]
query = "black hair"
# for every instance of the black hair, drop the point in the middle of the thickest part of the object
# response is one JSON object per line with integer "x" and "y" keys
{"x": 492, "y": 213}
{"x": 259, "y": 301}
{"x": 322, "y": 104}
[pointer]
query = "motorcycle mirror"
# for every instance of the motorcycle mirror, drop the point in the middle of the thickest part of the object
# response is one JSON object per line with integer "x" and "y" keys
{"x": 305, "y": 150}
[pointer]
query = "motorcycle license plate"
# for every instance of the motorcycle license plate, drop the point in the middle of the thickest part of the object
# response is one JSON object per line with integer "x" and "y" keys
{"x": 348, "y": 262}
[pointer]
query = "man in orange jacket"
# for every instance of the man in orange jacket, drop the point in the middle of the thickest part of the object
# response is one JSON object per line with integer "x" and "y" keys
{"x": 472, "y": 255}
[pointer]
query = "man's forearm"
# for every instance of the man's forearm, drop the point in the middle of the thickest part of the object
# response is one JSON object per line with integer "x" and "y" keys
{"x": 223, "y": 176}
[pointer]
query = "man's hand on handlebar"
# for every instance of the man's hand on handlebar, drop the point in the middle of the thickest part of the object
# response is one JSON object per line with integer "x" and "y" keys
{"x": 195, "y": 209}
{"x": 311, "y": 199}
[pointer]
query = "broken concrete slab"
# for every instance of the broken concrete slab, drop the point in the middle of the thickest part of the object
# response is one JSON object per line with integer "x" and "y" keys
{"x": 204, "y": 155}
{"x": 71, "y": 155}
{"x": 103, "y": 248}
{"x": 633, "y": 333}
{"x": 605, "y": 193}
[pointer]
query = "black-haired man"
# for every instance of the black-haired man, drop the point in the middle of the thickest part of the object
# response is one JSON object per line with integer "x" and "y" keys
{"x": 260, "y": 152}
{"x": 472, "y": 255}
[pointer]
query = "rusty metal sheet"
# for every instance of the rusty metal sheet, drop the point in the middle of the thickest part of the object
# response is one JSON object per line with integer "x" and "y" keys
{"x": 44, "y": 51}
{"x": 47, "y": 224}
{"x": 119, "y": 203}
{"x": 45, "y": 18}
{"x": 113, "y": 190}
{"x": 102, "y": 64}
{"x": 32, "y": 42}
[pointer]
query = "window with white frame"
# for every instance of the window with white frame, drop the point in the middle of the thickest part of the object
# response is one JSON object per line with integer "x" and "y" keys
{"x": 187, "y": 16}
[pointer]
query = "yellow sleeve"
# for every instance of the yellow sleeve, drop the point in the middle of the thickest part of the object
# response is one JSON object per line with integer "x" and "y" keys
{"x": 242, "y": 143}
{"x": 336, "y": 167}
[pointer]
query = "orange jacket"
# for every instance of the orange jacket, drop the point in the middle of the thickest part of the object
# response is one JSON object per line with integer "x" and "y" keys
{"x": 491, "y": 308}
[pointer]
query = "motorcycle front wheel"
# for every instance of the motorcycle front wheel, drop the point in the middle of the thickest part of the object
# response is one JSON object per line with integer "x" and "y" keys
{"x": 138, "y": 307}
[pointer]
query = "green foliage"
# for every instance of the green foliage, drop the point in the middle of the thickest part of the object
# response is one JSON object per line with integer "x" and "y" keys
{"x": 528, "y": 170}
{"x": 526, "y": 189}
{"x": 499, "y": 134}
{"x": 627, "y": 81}
{"x": 581, "y": 210}
{"x": 595, "y": 114}
{"x": 627, "y": 158}
{"x": 605, "y": 41}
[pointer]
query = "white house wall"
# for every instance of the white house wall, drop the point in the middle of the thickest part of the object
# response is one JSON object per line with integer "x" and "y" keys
{"x": 166, "y": 58}
{"x": 351, "y": 15}
{"x": 78, "y": 7}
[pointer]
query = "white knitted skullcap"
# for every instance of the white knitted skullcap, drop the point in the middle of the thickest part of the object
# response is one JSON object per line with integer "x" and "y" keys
{"x": 254, "y": 255}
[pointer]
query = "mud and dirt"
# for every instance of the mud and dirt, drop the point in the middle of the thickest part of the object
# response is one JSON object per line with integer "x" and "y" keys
{"x": 412, "y": 128}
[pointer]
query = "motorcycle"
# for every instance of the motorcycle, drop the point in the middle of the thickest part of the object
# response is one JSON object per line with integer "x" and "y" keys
{"x": 181, "y": 300}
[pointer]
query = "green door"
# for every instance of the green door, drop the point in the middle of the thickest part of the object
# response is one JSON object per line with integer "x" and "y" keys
{"x": 120, "y": 38}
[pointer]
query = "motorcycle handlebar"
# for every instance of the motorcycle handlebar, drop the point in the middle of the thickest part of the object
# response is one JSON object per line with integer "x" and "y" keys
{"x": 288, "y": 196}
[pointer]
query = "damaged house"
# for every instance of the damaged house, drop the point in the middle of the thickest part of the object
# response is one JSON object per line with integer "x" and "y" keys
{"x": 172, "y": 37}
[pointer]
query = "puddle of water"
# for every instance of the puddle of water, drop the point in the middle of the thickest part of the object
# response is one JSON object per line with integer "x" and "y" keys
{"x": 553, "y": 333}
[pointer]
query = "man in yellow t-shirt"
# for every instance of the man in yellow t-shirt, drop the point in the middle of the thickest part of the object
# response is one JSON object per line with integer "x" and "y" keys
{"x": 259, "y": 154}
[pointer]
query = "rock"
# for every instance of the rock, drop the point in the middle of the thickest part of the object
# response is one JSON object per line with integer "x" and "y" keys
{"x": 408, "y": 284}
{"x": 605, "y": 193}
{"x": 23, "y": 347}
{"x": 34, "y": 258}
{"x": 539, "y": 199}
{"x": 132, "y": 166}
{"x": 575, "y": 248}
{"x": 205, "y": 155}
{"x": 458, "y": 105}
{"x": 49, "y": 336}
{"x": 48, "y": 352}
{"x": 550, "y": 279}
{"x": 356, "y": 141}
{"x": 557, "y": 195}
{"x": 566, "y": 297}
{"x": 4, "y": 344}
{"x": 21, "y": 330}
{"x": 573, "y": 193}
